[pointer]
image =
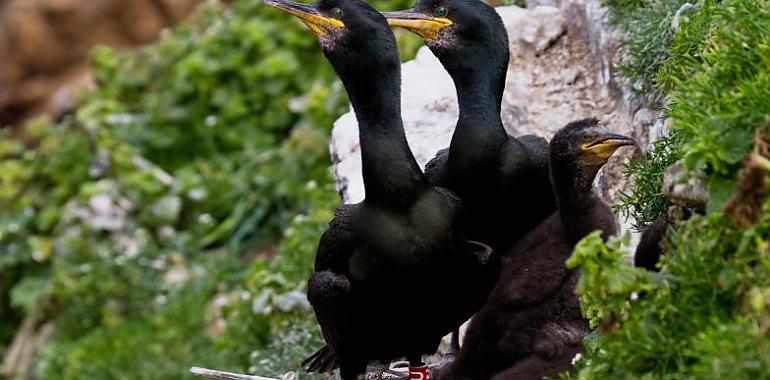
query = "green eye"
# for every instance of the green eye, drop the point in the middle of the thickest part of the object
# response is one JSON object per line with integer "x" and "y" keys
{"x": 337, "y": 13}
{"x": 441, "y": 11}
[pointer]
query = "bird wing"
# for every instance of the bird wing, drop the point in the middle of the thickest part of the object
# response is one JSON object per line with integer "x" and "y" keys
{"x": 537, "y": 158}
{"x": 329, "y": 287}
{"x": 536, "y": 144}
{"x": 329, "y": 294}
{"x": 337, "y": 243}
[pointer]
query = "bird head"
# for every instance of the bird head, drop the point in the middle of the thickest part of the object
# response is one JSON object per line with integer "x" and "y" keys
{"x": 585, "y": 146}
{"x": 457, "y": 31}
{"x": 353, "y": 35}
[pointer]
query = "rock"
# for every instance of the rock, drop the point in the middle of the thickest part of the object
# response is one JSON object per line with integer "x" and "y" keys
{"x": 550, "y": 26}
{"x": 532, "y": 30}
{"x": 684, "y": 189}
{"x": 651, "y": 121}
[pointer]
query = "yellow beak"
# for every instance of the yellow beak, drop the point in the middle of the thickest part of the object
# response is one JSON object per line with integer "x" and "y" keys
{"x": 318, "y": 23}
{"x": 607, "y": 145}
{"x": 425, "y": 26}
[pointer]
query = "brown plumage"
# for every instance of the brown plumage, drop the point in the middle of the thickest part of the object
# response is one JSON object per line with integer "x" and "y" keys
{"x": 531, "y": 325}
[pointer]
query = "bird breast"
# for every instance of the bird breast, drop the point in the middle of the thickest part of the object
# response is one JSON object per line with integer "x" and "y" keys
{"x": 406, "y": 243}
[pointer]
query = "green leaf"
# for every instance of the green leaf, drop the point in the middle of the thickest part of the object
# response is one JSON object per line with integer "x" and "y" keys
{"x": 27, "y": 292}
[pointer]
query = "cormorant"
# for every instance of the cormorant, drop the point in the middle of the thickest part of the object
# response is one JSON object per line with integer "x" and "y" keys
{"x": 531, "y": 325}
{"x": 377, "y": 288}
{"x": 501, "y": 180}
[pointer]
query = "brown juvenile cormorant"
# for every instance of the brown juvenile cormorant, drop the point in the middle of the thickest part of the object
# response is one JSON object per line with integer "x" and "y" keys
{"x": 501, "y": 180}
{"x": 377, "y": 289}
{"x": 531, "y": 325}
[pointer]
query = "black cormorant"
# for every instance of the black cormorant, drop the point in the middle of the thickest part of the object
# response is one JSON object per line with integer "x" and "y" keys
{"x": 531, "y": 325}
{"x": 377, "y": 289}
{"x": 501, "y": 180}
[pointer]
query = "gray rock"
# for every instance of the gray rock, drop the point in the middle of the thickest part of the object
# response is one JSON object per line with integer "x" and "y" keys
{"x": 683, "y": 188}
{"x": 532, "y": 30}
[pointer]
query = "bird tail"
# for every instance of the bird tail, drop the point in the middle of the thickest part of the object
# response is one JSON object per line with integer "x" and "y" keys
{"x": 322, "y": 361}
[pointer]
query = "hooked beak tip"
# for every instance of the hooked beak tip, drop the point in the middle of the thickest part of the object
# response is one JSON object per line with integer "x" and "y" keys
{"x": 618, "y": 140}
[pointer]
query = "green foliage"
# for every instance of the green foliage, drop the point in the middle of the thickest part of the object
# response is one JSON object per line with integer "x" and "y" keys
{"x": 27, "y": 292}
{"x": 608, "y": 278}
{"x": 645, "y": 201}
{"x": 648, "y": 36}
{"x": 276, "y": 314}
{"x": 696, "y": 28}
{"x": 717, "y": 79}
{"x": 647, "y": 44}
{"x": 157, "y": 345}
{"x": 192, "y": 95}
{"x": 720, "y": 96}
{"x": 172, "y": 221}
{"x": 706, "y": 315}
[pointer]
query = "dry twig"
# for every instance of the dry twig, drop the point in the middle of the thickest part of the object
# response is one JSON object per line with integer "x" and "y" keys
{"x": 222, "y": 375}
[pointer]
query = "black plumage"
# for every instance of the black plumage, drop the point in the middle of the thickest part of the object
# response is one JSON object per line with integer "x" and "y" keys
{"x": 501, "y": 180}
{"x": 531, "y": 325}
{"x": 377, "y": 288}
{"x": 649, "y": 250}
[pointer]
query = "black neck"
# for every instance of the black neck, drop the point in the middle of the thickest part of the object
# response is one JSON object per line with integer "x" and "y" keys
{"x": 575, "y": 200}
{"x": 479, "y": 88}
{"x": 479, "y": 94}
{"x": 391, "y": 174}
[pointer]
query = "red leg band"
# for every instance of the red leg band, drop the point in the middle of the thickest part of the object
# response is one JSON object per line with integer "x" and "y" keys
{"x": 419, "y": 373}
